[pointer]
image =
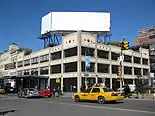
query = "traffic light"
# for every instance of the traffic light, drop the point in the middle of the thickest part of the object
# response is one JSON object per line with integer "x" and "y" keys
{"x": 120, "y": 78}
{"x": 125, "y": 45}
{"x": 119, "y": 71}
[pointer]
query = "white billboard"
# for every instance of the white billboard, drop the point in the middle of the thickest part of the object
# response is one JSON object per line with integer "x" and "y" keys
{"x": 74, "y": 21}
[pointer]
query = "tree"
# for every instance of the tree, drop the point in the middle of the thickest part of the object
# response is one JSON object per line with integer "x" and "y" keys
{"x": 116, "y": 43}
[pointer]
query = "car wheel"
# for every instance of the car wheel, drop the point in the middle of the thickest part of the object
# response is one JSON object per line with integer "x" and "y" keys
{"x": 77, "y": 98}
{"x": 3, "y": 91}
{"x": 101, "y": 100}
{"x": 19, "y": 95}
{"x": 49, "y": 96}
{"x": 114, "y": 102}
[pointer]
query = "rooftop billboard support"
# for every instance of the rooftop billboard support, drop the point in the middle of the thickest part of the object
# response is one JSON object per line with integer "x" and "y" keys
{"x": 62, "y": 23}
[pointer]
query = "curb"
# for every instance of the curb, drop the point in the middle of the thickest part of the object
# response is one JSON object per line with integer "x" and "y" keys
{"x": 141, "y": 99}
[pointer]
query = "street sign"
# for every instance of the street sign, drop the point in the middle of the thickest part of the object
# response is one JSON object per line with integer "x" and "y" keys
{"x": 57, "y": 80}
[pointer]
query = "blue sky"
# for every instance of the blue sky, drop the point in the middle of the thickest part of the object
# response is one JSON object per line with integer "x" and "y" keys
{"x": 20, "y": 20}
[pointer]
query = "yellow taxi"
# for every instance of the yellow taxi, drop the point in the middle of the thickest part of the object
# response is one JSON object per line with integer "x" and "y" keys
{"x": 2, "y": 91}
{"x": 100, "y": 94}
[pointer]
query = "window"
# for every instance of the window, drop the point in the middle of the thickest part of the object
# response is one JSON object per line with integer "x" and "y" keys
{"x": 107, "y": 90}
{"x": 34, "y": 60}
{"x": 88, "y": 90}
{"x": 70, "y": 52}
{"x": 127, "y": 70}
{"x": 44, "y": 58}
{"x": 152, "y": 37}
{"x": 27, "y": 62}
{"x": 56, "y": 55}
{"x": 20, "y": 64}
{"x": 44, "y": 70}
{"x": 96, "y": 90}
{"x": 87, "y": 51}
{"x": 127, "y": 58}
{"x": 19, "y": 72}
{"x": 114, "y": 56}
{"x": 34, "y": 71}
{"x": 26, "y": 72}
{"x": 151, "y": 30}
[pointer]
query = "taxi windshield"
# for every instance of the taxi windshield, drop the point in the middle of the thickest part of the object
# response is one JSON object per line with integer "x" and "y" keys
{"x": 107, "y": 90}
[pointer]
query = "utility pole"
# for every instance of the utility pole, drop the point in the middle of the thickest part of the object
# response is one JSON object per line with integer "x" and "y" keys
{"x": 87, "y": 64}
{"x": 124, "y": 46}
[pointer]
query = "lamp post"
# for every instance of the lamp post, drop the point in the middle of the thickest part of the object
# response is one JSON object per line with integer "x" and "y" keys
{"x": 87, "y": 60}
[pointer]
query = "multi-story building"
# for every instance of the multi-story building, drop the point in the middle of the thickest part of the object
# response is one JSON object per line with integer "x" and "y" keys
{"x": 147, "y": 36}
{"x": 67, "y": 61}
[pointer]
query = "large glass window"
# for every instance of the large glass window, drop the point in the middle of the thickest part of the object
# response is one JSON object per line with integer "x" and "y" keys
{"x": 44, "y": 70}
{"x": 26, "y": 62}
{"x": 34, "y": 60}
{"x": 56, "y": 69}
{"x": 87, "y": 51}
{"x": 20, "y": 64}
{"x": 56, "y": 55}
{"x": 44, "y": 58}
{"x": 70, "y": 52}
{"x": 114, "y": 56}
{"x": 103, "y": 68}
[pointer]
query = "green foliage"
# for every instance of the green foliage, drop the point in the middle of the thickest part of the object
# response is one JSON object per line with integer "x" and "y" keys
{"x": 114, "y": 43}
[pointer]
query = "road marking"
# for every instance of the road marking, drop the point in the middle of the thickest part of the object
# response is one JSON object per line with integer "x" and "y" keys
{"x": 103, "y": 107}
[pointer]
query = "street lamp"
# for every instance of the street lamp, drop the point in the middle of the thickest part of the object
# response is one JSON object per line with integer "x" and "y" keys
{"x": 87, "y": 60}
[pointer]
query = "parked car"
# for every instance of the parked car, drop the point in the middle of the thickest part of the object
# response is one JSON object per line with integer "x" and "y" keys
{"x": 131, "y": 86}
{"x": 46, "y": 92}
{"x": 28, "y": 92}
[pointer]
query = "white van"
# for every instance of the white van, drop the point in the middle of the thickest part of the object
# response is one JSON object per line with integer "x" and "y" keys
{"x": 131, "y": 86}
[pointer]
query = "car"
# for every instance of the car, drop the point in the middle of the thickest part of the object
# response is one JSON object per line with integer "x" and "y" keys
{"x": 131, "y": 86}
{"x": 28, "y": 92}
{"x": 2, "y": 91}
{"x": 100, "y": 94}
{"x": 46, "y": 92}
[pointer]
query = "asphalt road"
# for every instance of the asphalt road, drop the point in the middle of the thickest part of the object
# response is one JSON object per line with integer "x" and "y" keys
{"x": 66, "y": 107}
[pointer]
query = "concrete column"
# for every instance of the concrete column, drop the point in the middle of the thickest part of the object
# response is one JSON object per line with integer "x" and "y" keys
{"x": 38, "y": 70}
{"x": 39, "y": 66}
{"x": 142, "y": 71}
{"x": 79, "y": 78}
{"x": 96, "y": 79}
{"x": 110, "y": 67}
{"x": 133, "y": 81}
{"x": 62, "y": 83}
{"x": 96, "y": 67}
{"x": 62, "y": 67}
{"x": 49, "y": 73}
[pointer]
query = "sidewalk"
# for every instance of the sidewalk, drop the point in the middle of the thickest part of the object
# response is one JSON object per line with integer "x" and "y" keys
{"x": 146, "y": 97}
{"x": 67, "y": 94}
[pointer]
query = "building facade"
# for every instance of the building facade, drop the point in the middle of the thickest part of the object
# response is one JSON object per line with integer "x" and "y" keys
{"x": 147, "y": 36}
{"x": 67, "y": 62}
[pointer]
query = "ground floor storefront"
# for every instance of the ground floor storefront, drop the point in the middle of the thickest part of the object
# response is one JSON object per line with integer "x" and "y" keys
{"x": 72, "y": 84}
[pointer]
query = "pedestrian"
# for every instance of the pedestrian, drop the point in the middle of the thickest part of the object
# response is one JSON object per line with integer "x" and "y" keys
{"x": 127, "y": 91}
{"x": 54, "y": 92}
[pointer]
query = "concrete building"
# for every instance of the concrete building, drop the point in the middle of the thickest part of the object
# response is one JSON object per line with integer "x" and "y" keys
{"x": 67, "y": 61}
